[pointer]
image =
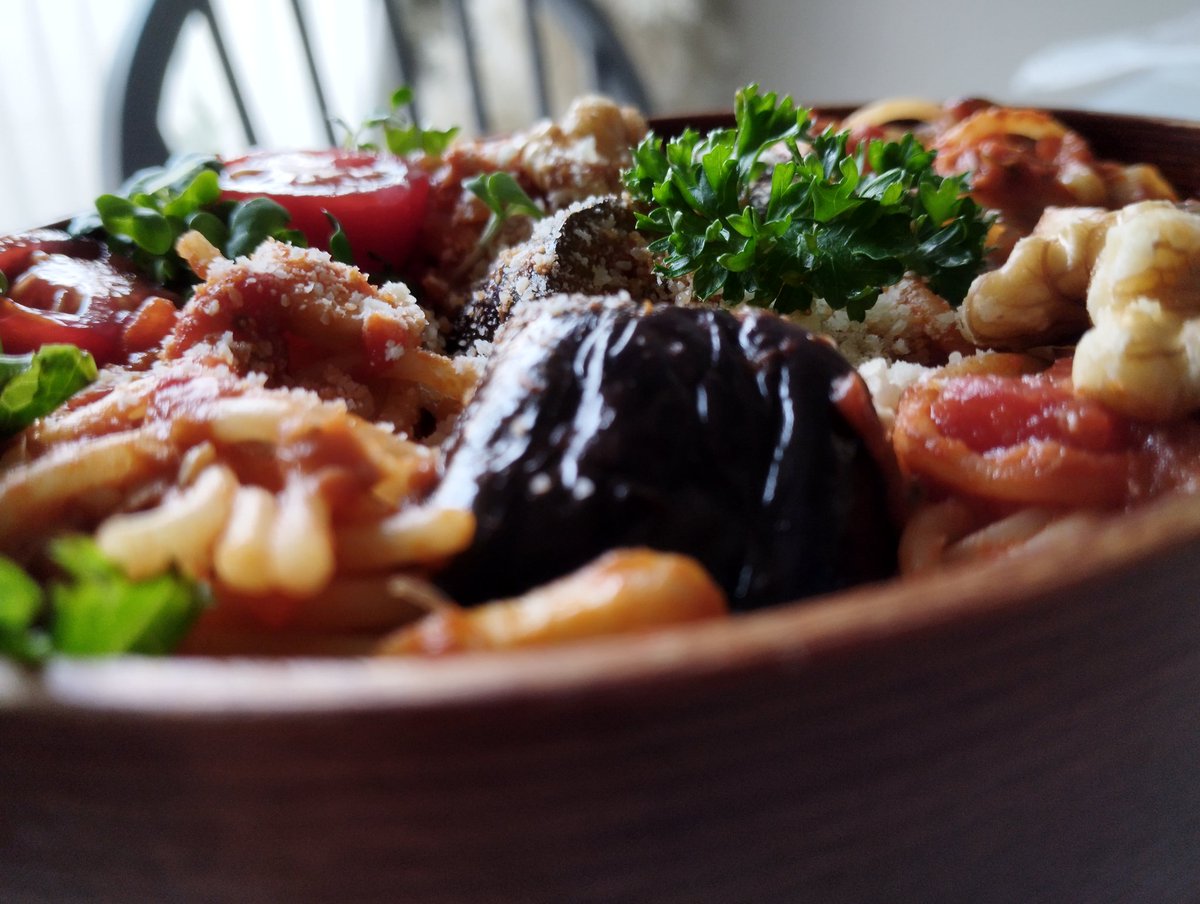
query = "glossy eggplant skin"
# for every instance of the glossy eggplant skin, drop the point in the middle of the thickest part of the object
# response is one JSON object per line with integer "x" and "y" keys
{"x": 603, "y": 423}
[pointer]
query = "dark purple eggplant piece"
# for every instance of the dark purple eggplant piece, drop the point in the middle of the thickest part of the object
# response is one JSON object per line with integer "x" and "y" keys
{"x": 588, "y": 248}
{"x": 605, "y": 423}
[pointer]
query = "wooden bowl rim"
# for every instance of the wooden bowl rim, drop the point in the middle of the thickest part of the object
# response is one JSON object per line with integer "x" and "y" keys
{"x": 1069, "y": 115}
{"x": 792, "y": 636}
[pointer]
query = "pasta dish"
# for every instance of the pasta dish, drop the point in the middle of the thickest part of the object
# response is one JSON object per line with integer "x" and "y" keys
{"x": 581, "y": 380}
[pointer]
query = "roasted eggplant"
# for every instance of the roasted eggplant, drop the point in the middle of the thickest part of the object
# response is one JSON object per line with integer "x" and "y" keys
{"x": 741, "y": 440}
{"x": 588, "y": 248}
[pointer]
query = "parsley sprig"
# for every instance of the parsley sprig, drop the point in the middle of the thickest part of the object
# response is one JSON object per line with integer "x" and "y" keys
{"x": 822, "y": 222}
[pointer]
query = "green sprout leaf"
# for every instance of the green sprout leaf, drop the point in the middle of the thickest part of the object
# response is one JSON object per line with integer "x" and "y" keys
{"x": 339, "y": 244}
{"x": 253, "y": 221}
{"x": 152, "y": 209}
{"x": 20, "y": 603}
{"x": 156, "y": 206}
{"x": 402, "y": 135}
{"x": 504, "y": 198}
{"x": 144, "y": 227}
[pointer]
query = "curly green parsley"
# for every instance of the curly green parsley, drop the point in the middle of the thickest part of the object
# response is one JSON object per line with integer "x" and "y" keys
{"x": 822, "y": 222}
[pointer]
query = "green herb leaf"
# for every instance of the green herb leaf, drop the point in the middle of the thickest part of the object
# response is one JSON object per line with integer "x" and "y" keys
{"x": 20, "y": 603}
{"x": 255, "y": 220}
{"x": 824, "y": 223}
{"x": 401, "y": 133}
{"x": 203, "y": 189}
{"x": 96, "y": 610}
{"x": 403, "y": 140}
{"x": 158, "y": 205}
{"x": 152, "y": 209}
{"x": 339, "y": 244}
{"x": 3, "y": 283}
{"x": 35, "y": 384}
{"x": 504, "y": 198}
{"x": 401, "y": 97}
{"x": 209, "y": 225}
{"x": 142, "y": 226}
{"x": 100, "y": 611}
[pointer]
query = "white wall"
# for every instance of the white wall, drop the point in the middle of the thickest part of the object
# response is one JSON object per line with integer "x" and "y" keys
{"x": 53, "y": 57}
{"x": 850, "y": 50}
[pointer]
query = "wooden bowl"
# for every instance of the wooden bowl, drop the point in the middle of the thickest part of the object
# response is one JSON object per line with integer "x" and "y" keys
{"x": 1023, "y": 730}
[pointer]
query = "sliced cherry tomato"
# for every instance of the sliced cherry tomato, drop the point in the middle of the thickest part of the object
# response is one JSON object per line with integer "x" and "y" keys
{"x": 988, "y": 412}
{"x": 1017, "y": 438}
{"x": 378, "y": 200}
{"x": 74, "y": 291}
{"x": 17, "y": 251}
{"x": 994, "y": 433}
{"x": 27, "y": 329}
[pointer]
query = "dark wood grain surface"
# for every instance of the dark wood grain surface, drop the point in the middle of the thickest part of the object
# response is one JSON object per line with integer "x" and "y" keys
{"x": 1044, "y": 754}
{"x": 1023, "y": 731}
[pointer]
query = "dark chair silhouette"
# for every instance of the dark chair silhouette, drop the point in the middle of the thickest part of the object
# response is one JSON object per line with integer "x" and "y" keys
{"x": 134, "y": 139}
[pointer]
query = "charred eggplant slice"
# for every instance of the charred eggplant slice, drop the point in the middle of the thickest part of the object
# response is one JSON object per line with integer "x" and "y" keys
{"x": 606, "y": 423}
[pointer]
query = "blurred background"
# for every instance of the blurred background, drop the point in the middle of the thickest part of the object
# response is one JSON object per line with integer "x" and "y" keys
{"x": 87, "y": 84}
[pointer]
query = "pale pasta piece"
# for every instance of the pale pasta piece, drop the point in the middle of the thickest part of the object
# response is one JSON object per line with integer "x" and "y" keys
{"x": 994, "y": 122}
{"x": 893, "y": 109}
{"x": 199, "y": 253}
{"x": 345, "y": 619}
{"x": 243, "y": 551}
{"x": 410, "y": 536}
{"x": 442, "y": 376}
{"x": 950, "y": 531}
{"x": 1142, "y": 356}
{"x": 623, "y": 591}
{"x": 33, "y": 493}
{"x": 256, "y": 418}
{"x": 930, "y": 531}
{"x": 194, "y": 461}
{"x": 180, "y": 531}
{"x": 406, "y": 467}
{"x": 1003, "y": 535}
{"x": 301, "y": 548}
{"x": 123, "y": 407}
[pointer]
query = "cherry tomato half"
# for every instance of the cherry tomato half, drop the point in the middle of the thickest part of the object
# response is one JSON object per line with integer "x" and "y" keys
{"x": 74, "y": 291}
{"x": 1012, "y": 437}
{"x": 377, "y": 198}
